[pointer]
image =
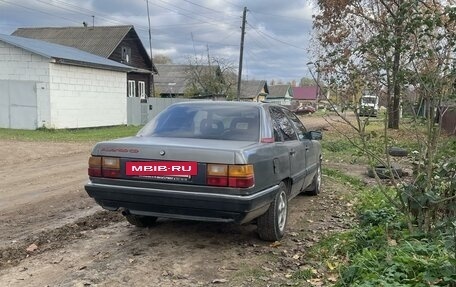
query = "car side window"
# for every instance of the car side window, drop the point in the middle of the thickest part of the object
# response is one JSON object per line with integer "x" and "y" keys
{"x": 300, "y": 128}
{"x": 284, "y": 125}
{"x": 277, "y": 133}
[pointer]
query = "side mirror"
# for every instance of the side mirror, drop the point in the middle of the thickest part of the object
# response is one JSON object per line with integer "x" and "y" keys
{"x": 314, "y": 135}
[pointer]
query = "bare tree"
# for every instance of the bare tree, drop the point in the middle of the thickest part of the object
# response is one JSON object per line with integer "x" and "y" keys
{"x": 162, "y": 59}
{"x": 214, "y": 77}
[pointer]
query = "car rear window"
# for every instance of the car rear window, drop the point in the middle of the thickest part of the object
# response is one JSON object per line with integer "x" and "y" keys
{"x": 221, "y": 122}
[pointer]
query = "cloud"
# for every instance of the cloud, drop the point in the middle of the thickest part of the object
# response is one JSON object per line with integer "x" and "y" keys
{"x": 276, "y": 39}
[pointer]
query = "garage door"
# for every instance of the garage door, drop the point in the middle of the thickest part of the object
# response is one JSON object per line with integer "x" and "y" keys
{"x": 18, "y": 105}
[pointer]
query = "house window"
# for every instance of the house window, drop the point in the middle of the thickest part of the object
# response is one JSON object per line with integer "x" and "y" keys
{"x": 126, "y": 54}
{"x": 131, "y": 88}
{"x": 142, "y": 90}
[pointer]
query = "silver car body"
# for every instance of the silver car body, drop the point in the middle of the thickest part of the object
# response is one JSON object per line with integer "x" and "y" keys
{"x": 275, "y": 160}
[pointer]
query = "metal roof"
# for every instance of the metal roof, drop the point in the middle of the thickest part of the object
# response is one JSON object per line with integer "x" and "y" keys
{"x": 98, "y": 40}
{"x": 305, "y": 93}
{"x": 171, "y": 79}
{"x": 278, "y": 91}
{"x": 63, "y": 54}
{"x": 252, "y": 88}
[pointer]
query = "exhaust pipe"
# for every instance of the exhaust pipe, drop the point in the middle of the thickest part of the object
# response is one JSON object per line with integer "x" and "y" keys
{"x": 124, "y": 211}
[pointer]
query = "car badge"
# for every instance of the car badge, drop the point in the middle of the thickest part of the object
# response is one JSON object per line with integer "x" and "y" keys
{"x": 162, "y": 152}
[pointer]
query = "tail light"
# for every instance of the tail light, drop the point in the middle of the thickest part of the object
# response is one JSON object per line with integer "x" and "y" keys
{"x": 104, "y": 166}
{"x": 95, "y": 166}
{"x": 240, "y": 176}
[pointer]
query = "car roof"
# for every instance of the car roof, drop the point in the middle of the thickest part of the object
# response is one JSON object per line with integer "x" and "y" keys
{"x": 225, "y": 103}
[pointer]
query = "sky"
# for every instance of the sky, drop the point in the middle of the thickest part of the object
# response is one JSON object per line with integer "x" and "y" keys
{"x": 276, "y": 40}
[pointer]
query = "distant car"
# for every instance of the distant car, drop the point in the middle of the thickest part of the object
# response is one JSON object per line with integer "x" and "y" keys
{"x": 210, "y": 161}
{"x": 305, "y": 110}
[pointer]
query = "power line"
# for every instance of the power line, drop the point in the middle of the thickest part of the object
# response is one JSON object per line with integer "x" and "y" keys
{"x": 203, "y": 7}
{"x": 233, "y": 4}
{"x": 37, "y": 10}
{"x": 280, "y": 16}
{"x": 186, "y": 10}
{"x": 275, "y": 39}
{"x": 62, "y": 5}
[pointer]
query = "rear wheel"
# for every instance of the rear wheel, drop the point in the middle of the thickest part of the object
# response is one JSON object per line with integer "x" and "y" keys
{"x": 140, "y": 221}
{"x": 271, "y": 225}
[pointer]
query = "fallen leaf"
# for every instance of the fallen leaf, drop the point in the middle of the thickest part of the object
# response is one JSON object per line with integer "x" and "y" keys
{"x": 293, "y": 234}
{"x": 392, "y": 242}
{"x": 288, "y": 275}
{"x": 296, "y": 256}
{"x": 215, "y": 281}
{"x": 331, "y": 266}
{"x": 131, "y": 260}
{"x": 275, "y": 244}
{"x": 316, "y": 282}
{"x": 332, "y": 278}
{"x": 32, "y": 248}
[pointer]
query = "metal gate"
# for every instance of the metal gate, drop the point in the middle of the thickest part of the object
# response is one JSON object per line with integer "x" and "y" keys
{"x": 136, "y": 112}
{"x": 139, "y": 113}
{"x": 18, "y": 105}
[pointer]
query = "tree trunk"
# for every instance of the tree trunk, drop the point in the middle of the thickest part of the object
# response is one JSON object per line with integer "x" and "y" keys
{"x": 394, "y": 103}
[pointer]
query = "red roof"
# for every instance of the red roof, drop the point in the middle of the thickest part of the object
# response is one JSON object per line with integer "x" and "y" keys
{"x": 305, "y": 93}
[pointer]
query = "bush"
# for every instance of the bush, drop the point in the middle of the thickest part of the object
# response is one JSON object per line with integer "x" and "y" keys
{"x": 381, "y": 251}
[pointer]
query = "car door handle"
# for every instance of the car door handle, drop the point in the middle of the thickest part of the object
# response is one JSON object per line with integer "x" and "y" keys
{"x": 292, "y": 152}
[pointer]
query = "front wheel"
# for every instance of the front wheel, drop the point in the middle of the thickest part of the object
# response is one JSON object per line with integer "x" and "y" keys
{"x": 271, "y": 225}
{"x": 315, "y": 186}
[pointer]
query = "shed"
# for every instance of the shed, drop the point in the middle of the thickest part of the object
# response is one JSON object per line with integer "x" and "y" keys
{"x": 54, "y": 86}
{"x": 118, "y": 43}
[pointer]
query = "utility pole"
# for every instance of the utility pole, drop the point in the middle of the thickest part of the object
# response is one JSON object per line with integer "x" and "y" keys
{"x": 151, "y": 79}
{"x": 194, "y": 51}
{"x": 208, "y": 56}
{"x": 241, "y": 53}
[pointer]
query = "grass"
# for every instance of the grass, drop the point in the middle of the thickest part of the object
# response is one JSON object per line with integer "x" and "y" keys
{"x": 380, "y": 250}
{"x": 353, "y": 182}
{"x": 69, "y": 135}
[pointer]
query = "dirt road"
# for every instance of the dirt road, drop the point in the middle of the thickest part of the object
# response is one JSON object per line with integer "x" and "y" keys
{"x": 53, "y": 234}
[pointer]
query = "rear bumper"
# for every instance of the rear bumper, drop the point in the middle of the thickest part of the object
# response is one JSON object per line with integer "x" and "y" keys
{"x": 182, "y": 204}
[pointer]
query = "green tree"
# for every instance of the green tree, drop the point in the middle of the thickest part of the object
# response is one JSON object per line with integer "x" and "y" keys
{"x": 388, "y": 46}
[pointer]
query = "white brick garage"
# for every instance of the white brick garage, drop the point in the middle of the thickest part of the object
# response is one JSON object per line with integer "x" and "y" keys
{"x": 72, "y": 89}
{"x": 86, "y": 97}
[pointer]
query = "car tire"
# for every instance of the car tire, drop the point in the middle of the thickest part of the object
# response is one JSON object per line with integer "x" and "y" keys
{"x": 271, "y": 225}
{"x": 383, "y": 172}
{"x": 315, "y": 186}
{"x": 140, "y": 221}
{"x": 397, "y": 151}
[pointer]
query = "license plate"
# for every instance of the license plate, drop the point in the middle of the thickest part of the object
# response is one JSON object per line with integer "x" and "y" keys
{"x": 161, "y": 168}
